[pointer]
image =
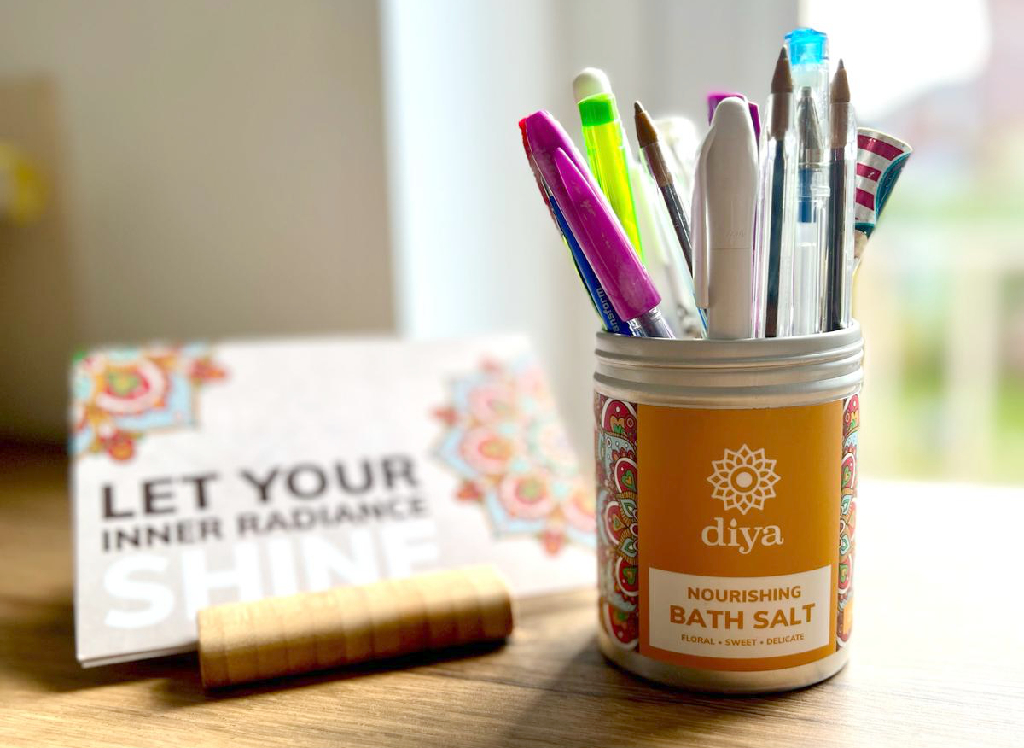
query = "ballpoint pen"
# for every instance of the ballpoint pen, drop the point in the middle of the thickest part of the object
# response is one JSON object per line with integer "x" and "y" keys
{"x": 842, "y": 161}
{"x": 811, "y": 221}
{"x": 808, "y": 59}
{"x": 723, "y": 222}
{"x": 773, "y": 251}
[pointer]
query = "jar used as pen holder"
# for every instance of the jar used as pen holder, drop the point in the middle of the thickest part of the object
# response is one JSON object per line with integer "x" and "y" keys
{"x": 727, "y": 479}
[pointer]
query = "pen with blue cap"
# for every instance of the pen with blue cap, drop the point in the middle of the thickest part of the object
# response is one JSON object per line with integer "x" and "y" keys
{"x": 808, "y": 57}
{"x": 808, "y": 60}
{"x": 808, "y": 267}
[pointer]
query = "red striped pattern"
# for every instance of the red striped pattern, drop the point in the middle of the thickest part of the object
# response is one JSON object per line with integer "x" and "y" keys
{"x": 863, "y": 170}
{"x": 884, "y": 150}
{"x": 866, "y": 199}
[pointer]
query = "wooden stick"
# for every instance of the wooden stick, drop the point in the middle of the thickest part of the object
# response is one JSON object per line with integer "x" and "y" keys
{"x": 241, "y": 642}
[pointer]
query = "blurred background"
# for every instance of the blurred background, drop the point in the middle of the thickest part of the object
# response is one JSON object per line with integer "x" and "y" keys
{"x": 199, "y": 170}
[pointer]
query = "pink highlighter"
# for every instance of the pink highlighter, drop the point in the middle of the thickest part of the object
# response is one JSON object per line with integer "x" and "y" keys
{"x": 595, "y": 227}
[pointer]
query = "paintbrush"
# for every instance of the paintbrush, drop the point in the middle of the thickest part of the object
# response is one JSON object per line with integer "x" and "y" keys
{"x": 654, "y": 158}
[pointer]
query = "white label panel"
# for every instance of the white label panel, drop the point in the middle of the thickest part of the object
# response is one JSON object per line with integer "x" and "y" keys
{"x": 739, "y": 616}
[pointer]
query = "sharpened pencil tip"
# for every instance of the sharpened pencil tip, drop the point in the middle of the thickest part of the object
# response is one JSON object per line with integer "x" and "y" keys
{"x": 782, "y": 79}
{"x": 645, "y": 132}
{"x": 840, "y": 85}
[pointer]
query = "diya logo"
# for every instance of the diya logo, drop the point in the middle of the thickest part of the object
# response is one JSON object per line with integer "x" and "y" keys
{"x": 742, "y": 480}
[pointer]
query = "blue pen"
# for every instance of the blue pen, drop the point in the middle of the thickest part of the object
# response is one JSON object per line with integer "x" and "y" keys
{"x": 612, "y": 321}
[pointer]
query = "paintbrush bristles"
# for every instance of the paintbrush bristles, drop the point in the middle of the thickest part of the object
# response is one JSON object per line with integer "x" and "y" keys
{"x": 645, "y": 131}
{"x": 782, "y": 79}
{"x": 839, "y": 108}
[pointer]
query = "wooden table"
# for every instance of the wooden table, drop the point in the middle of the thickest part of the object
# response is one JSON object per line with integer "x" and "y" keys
{"x": 938, "y": 658}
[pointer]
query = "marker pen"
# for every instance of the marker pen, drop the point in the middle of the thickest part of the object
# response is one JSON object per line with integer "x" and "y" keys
{"x": 602, "y": 305}
{"x": 629, "y": 286}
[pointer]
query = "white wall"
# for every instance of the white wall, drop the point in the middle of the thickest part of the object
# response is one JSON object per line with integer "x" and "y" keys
{"x": 219, "y": 171}
{"x": 220, "y": 165}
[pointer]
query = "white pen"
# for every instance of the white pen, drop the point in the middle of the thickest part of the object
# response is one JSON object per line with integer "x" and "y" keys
{"x": 724, "y": 196}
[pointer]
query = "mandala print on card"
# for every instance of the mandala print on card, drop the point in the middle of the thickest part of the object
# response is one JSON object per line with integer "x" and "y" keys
{"x": 505, "y": 443}
{"x": 847, "y": 520}
{"x": 120, "y": 395}
{"x": 615, "y": 449}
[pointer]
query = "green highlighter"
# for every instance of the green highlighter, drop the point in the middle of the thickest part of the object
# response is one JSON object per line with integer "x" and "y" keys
{"x": 606, "y": 148}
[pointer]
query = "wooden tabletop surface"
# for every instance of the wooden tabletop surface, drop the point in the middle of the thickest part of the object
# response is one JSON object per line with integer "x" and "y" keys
{"x": 938, "y": 657}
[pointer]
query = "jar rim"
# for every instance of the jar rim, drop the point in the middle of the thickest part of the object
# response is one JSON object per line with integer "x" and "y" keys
{"x": 762, "y": 372}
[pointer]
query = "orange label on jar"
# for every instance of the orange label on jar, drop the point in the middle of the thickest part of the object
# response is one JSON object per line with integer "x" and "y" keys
{"x": 738, "y": 535}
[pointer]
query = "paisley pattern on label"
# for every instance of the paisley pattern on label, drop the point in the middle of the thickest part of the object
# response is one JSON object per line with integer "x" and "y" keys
{"x": 618, "y": 581}
{"x": 847, "y": 520}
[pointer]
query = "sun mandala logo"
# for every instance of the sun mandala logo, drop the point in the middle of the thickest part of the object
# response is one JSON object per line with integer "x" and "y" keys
{"x": 743, "y": 479}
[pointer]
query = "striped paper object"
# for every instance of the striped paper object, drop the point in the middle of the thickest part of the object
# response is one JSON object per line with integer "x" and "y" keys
{"x": 880, "y": 159}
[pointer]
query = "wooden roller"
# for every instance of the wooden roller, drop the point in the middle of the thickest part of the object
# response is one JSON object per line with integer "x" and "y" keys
{"x": 240, "y": 642}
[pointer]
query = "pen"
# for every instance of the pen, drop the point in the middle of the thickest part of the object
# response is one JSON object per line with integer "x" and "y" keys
{"x": 808, "y": 58}
{"x": 654, "y": 159}
{"x": 842, "y": 161}
{"x": 811, "y": 223}
{"x": 606, "y": 147}
{"x": 611, "y": 321}
{"x": 629, "y": 286}
{"x": 723, "y": 222}
{"x": 773, "y": 252}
